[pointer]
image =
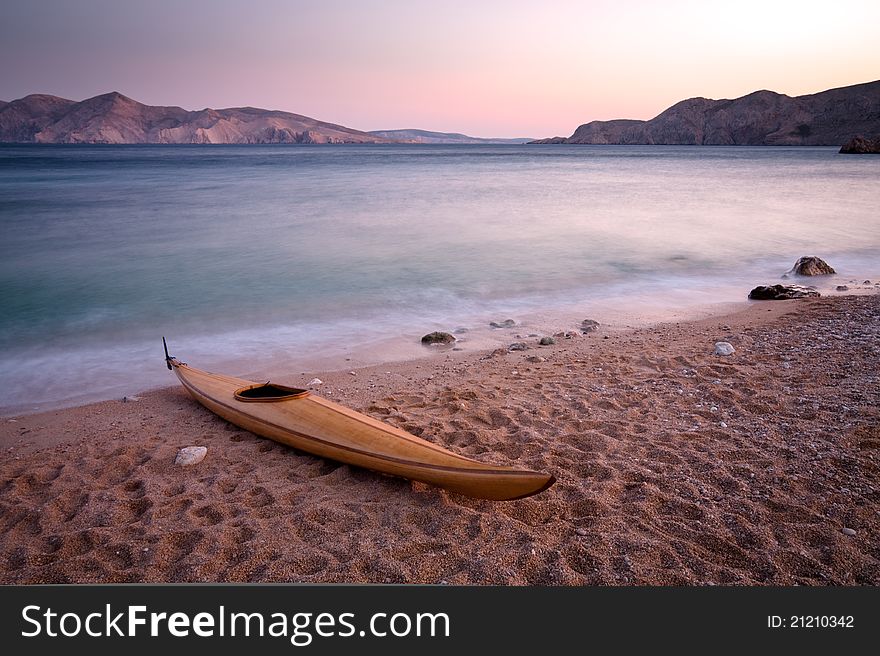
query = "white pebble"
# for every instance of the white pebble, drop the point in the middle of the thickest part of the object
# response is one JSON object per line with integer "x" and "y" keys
{"x": 724, "y": 348}
{"x": 191, "y": 455}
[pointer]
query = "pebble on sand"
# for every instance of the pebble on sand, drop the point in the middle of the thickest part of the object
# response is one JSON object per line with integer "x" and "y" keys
{"x": 589, "y": 325}
{"x": 547, "y": 341}
{"x": 724, "y": 348}
{"x": 315, "y": 381}
{"x": 848, "y": 531}
{"x": 842, "y": 288}
{"x": 191, "y": 455}
{"x": 518, "y": 346}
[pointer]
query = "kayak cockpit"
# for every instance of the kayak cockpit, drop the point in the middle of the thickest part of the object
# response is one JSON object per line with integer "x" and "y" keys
{"x": 268, "y": 392}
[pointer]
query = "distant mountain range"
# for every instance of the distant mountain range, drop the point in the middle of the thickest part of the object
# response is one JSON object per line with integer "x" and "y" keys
{"x": 762, "y": 118}
{"x": 112, "y": 118}
{"x": 426, "y": 137}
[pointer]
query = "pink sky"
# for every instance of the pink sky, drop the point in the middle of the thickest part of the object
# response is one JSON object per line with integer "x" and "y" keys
{"x": 489, "y": 68}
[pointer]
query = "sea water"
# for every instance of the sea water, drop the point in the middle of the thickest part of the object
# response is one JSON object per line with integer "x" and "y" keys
{"x": 283, "y": 258}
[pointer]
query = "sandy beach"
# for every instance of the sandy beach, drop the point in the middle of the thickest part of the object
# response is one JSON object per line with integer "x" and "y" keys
{"x": 675, "y": 466}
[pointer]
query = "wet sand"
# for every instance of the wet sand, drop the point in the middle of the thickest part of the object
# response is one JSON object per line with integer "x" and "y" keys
{"x": 675, "y": 466}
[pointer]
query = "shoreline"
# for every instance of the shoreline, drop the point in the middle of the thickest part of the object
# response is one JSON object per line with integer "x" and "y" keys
{"x": 675, "y": 467}
{"x": 405, "y": 348}
{"x": 615, "y": 313}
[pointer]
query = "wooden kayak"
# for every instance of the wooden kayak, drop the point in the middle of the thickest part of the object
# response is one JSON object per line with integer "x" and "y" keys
{"x": 305, "y": 421}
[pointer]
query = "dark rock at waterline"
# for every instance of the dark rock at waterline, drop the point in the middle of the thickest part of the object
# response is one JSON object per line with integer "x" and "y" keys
{"x": 812, "y": 266}
{"x": 781, "y": 292}
{"x": 842, "y": 288}
{"x": 507, "y": 323}
{"x": 861, "y": 146}
{"x": 438, "y": 338}
{"x": 547, "y": 341}
{"x": 589, "y": 326}
{"x": 518, "y": 346}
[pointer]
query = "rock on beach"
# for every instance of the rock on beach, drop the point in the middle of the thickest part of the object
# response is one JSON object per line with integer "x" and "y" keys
{"x": 781, "y": 292}
{"x": 438, "y": 337}
{"x": 190, "y": 455}
{"x": 811, "y": 266}
{"x": 724, "y": 348}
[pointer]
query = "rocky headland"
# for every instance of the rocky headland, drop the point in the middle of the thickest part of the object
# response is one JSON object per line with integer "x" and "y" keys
{"x": 112, "y": 118}
{"x": 861, "y": 146}
{"x": 762, "y": 118}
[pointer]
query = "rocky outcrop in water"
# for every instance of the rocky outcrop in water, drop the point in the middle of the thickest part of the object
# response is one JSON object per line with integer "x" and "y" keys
{"x": 112, "y": 118}
{"x": 438, "y": 338}
{"x": 762, "y": 118}
{"x": 812, "y": 266}
{"x": 861, "y": 146}
{"x": 781, "y": 292}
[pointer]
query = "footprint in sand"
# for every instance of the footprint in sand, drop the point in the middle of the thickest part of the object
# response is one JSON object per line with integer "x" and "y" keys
{"x": 227, "y": 485}
{"x": 66, "y": 507}
{"x": 135, "y": 488}
{"x": 259, "y": 497}
{"x": 119, "y": 555}
{"x": 174, "y": 490}
{"x": 210, "y": 516}
{"x": 131, "y": 511}
{"x": 173, "y": 547}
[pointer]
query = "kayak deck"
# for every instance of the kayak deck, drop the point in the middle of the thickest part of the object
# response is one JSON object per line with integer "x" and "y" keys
{"x": 321, "y": 427}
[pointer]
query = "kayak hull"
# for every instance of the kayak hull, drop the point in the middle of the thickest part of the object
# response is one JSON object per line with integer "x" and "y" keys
{"x": 323, "y": 428}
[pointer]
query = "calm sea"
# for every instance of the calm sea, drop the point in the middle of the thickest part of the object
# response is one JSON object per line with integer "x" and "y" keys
{"x": 280, "y": 258}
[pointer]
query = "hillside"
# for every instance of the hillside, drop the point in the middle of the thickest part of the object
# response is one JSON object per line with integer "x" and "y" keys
{"x": 762, "y": 118}
{"x": 112, "y": 118}
{"x": 428, "y": 137}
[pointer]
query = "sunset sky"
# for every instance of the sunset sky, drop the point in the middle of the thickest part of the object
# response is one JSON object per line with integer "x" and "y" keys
{"x": 491, "y": 68}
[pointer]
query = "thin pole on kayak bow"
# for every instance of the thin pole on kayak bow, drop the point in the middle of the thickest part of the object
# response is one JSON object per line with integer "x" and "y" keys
{"x": 167, "y": 357}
